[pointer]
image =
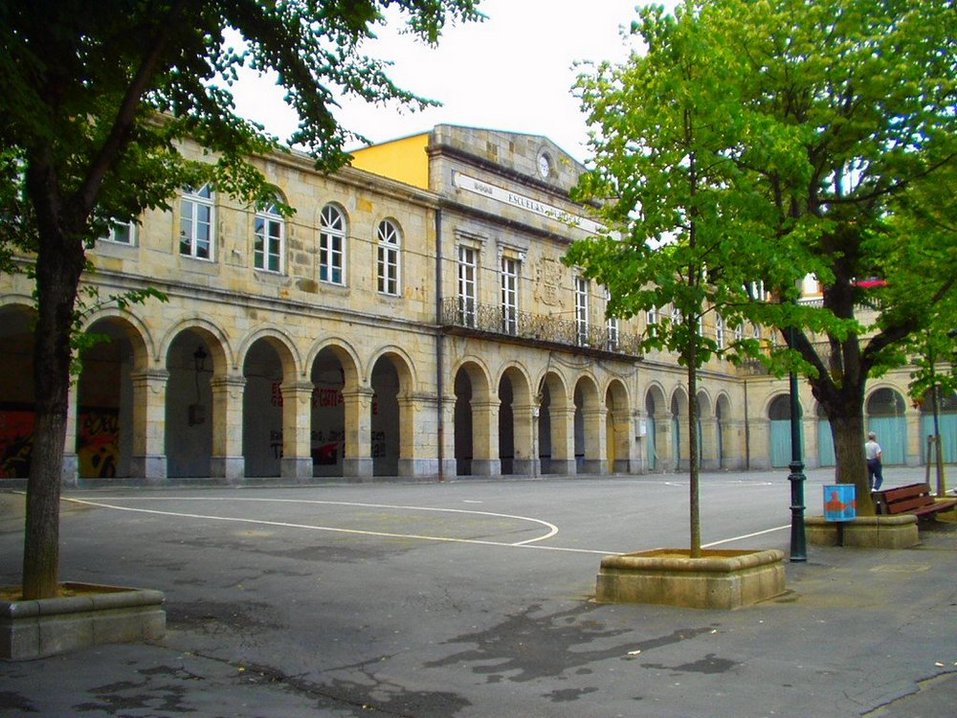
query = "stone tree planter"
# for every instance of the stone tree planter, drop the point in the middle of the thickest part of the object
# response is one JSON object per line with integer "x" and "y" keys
{"x": 896, "y": 531}
{"x": 88, "y": 615}
{"x": 719, "y": 579}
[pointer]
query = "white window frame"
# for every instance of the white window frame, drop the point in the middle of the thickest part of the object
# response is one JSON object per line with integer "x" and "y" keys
{"x": 467, "y": 284}
{"x": 197, "y": 232}
{"x": 332, "y": 245}
{"x": 269, "y": 244}
{"x": 719, "y": 331}
{"x": 511, "y": 269}
{"x": 129, "y": 229}
{"x": 388, "y": 257}
{"x": 581, "y": 311}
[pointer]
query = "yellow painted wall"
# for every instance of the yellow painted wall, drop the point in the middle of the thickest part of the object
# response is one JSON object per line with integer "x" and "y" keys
{"x": 403, "y": 160}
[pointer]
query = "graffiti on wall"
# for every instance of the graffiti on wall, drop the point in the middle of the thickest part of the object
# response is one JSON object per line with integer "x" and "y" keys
{"x": 16, "y": 441}
{"x": 98, "y": 442}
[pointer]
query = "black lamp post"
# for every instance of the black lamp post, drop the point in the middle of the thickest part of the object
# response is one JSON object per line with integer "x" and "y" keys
{"x": 796, "y": 477}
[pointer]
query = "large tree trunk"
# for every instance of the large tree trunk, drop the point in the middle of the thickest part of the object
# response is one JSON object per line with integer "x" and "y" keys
{"x": 59, "y": 265}
{"x": 847, "y": 428}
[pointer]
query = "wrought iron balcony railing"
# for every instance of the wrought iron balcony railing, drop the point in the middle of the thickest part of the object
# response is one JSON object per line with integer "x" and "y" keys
{"x": 505, "y": 322}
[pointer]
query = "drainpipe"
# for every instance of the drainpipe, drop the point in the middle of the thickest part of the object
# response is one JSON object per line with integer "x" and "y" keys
{"x": 439, "y": 345}
{"x": 747, "y": 430}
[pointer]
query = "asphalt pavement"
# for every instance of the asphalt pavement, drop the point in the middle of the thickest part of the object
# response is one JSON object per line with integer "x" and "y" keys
{"x": 475, "y": 599}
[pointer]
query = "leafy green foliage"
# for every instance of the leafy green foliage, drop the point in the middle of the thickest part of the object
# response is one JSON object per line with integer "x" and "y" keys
{"x": 97, "y": 98}
{"x": 765, "y": 141}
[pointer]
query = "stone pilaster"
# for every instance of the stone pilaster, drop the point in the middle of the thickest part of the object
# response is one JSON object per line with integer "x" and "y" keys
{"x": 148, "y": 460}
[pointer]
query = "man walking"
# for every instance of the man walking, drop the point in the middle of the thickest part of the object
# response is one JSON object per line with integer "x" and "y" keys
{"x": 873, "y": 454}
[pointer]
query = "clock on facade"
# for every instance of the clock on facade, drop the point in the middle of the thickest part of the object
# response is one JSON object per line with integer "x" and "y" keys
{"x": 544, "y": 165}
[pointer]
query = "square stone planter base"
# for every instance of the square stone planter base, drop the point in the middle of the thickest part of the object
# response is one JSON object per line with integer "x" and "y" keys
{"x": 899, "y": 531}
{"x": 91, "y": 615}
{"x": 719, "y": 579}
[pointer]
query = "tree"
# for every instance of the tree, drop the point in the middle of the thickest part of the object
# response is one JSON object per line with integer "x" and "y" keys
{"x": 666, "y": 228}
{"x": 844, "y": 107}
{"x": 96, "y": 97}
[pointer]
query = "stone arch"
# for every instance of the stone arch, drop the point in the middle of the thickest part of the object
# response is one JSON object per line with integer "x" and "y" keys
{"x": 657, "y": 428}
{"x": 679, "y": 428}
{"x": 516, "y": 415}
{"x": 591, "y": 455}
{"x": 726, "y": 444}
{"x": 618, "y": 426}
{"x": 946, "y": 425}
{"x": 286, "y": 350}
{"x": 338, "y": 403}
{"x": 476, "y": 420}
{"x": 196, "y": 354}
{"x": 778, "y": 412}
{"x": 348, "y": 357}
{"x": 707, "y": 432}
{"x": 131, "y": 328}
{"x": 885, "y": 414}
{"x": 556, "y": 424}
{"x": 271, "y": 371}
{"x": 109, "y": 398}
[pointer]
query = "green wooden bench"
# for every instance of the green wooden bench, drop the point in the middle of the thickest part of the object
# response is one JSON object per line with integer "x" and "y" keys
{"x": 910, "y": 499}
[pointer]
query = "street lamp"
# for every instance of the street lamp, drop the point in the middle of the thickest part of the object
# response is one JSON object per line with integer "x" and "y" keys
{"x": 796, "y": 477}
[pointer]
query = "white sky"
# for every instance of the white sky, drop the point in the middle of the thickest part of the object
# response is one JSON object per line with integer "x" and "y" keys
{"x": 512, "y": 72}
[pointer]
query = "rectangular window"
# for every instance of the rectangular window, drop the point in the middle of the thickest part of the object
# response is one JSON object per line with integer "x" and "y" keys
{"x": 268, "y": 249}
{"x": 120, "y": 233}
{"x": 510, "y": 295}
{"x": 719, "y": 331}
{"x": 196, "y": 223}
{"x": 612, "y": 327}
{"x": 581, "y": 310}
{"x": 468, "y": 269}
{"x": 330, "y": 258}
{"x": 387, "y": 258}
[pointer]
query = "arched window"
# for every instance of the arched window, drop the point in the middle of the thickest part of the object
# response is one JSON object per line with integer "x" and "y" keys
{"x": 332, "y": 245}
{"x": 196, "y": 223}
{"x": 387, "y": 257}
{"x": 269, "y": 243}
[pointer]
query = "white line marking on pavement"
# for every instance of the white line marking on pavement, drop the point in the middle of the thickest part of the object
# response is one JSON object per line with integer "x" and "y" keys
{"x": 746, "y": 536}
{"x": 528, "y": 543}
{"x": 552, "y": 528}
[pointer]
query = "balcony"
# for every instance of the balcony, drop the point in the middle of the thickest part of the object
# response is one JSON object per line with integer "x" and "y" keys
{"x": 492, "y": 321}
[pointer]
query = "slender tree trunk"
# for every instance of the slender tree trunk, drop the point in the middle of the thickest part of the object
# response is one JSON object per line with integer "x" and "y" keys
{"x": 58, "y": 268}
{"x": 693, "y": 458}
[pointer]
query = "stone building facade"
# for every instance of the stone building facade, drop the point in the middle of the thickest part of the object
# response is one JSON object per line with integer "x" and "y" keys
{"x": 412, "y": 319}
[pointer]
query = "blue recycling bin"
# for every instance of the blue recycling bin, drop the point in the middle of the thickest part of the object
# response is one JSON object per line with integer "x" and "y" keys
{"x": 840, "y": 502}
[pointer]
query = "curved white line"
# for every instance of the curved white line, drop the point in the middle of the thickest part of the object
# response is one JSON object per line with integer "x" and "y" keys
{"x": 552, "y": 528}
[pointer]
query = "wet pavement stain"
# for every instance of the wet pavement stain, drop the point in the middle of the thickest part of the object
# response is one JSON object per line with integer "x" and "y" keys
{"x": 525, "y": 647}
{"x": 14, "y": 701}
{"x": 368, "y": 696}
{"x": 113, "y": 698}
{"x": 568, "y": 694}
{"x": 709, "y": 664}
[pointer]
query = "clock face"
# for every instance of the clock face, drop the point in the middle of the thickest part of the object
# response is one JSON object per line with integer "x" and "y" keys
{"x": 544, "y": 165}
